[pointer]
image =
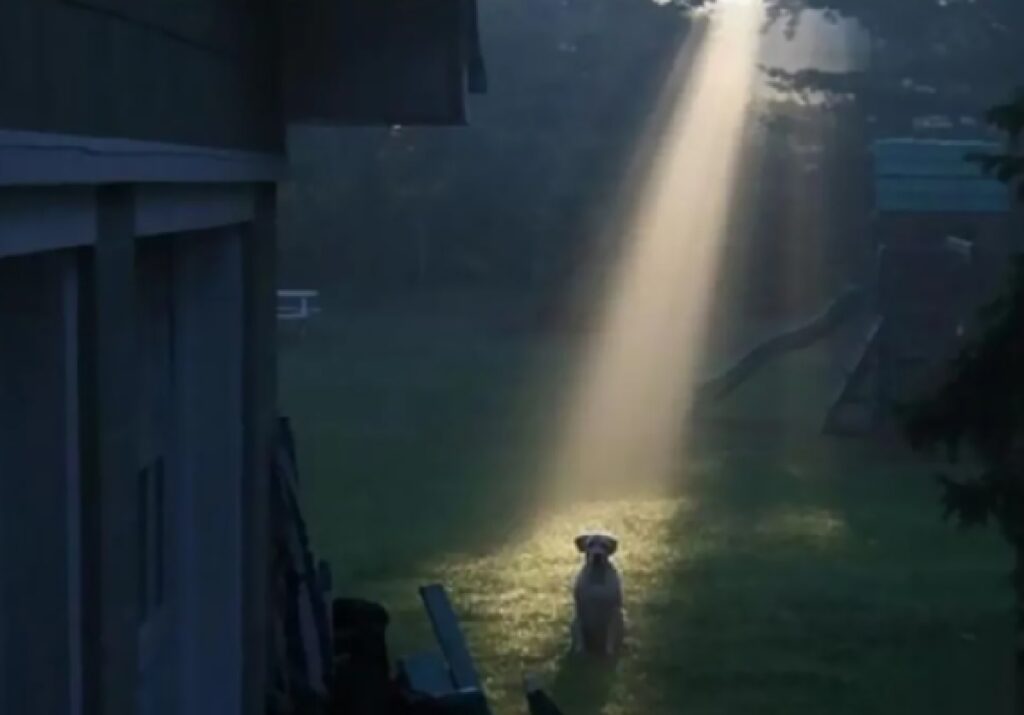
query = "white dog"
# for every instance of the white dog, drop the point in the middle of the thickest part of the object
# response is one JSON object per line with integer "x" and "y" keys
{"x": 598, "y": 626}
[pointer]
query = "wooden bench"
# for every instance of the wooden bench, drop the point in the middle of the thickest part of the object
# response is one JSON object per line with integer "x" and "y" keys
{"x": 448, "y": 681}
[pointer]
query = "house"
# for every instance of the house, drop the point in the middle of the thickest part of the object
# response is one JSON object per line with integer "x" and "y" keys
{"x": 140, "y": 145}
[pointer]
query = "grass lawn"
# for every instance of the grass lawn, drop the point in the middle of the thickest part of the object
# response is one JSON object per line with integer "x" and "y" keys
{"x": 781, "y": 572}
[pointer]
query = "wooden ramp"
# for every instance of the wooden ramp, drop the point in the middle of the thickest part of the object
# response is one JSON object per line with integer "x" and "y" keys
{"x": 854, "y": 409}
{"x": 847, "y": 306}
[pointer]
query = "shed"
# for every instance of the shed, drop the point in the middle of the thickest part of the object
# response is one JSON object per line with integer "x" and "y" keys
{"x": 943, "y": 230}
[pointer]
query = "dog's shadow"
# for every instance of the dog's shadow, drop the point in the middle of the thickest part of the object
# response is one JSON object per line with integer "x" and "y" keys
{"x": 584, "y": 683}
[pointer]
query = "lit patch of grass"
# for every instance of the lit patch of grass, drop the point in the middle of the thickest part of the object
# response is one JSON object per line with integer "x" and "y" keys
{"x": 516, "y": 602}
{"x": 812, "y": 527}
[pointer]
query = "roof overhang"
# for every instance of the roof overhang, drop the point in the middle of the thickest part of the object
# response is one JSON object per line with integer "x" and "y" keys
{"x": 381, "y": 62}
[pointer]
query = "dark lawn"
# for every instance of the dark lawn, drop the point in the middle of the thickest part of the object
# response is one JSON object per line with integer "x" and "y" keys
{"x": 782, "y": 572}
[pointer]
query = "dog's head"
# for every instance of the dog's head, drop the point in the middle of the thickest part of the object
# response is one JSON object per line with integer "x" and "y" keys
{"x": 597, "y": 547}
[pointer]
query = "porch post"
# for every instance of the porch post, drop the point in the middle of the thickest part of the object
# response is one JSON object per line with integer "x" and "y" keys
{"x": 110, "y": 608}
{"x": 259, "y": 413}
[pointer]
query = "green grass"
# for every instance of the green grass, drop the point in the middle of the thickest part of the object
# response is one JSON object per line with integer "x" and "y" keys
{"x": 781, "y": 572}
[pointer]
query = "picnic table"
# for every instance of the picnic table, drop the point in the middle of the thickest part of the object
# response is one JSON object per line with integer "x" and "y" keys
{"x": 297, "y": 304}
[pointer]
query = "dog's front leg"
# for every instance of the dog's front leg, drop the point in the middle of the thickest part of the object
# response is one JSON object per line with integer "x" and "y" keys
{"x": 615, "y": 635}
{"x": 576, "y": 636}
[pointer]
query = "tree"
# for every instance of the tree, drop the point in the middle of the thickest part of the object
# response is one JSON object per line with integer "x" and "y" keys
{"x": 978, "y": 413}
{"x": 1009, "y": 165}
{"x": 927, "y": 58}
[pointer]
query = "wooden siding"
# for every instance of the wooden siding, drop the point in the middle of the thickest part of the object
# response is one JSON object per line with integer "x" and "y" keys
{"x": 197, "y": 72}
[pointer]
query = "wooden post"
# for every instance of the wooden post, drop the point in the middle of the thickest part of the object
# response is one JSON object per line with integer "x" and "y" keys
{"x": 259, "y": 414}
{"x": 108, "y": 408}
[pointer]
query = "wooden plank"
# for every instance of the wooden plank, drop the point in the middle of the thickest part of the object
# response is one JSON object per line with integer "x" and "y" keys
{"x": 109, "y": 417}
{"x": 425, "y": 674}
{"x": 856, "y": 377}
{"x": 449, "y": 637}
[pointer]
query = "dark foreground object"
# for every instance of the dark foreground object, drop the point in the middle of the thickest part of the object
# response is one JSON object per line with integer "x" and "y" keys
{"x": 538, "y": 701}
{"x": 362, "y": 672}
{"x": 444, "y": 681}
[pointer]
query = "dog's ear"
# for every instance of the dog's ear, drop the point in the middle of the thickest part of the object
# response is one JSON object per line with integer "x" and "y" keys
{"x": 608, "y": 542}
{"x": 581, "y": 542}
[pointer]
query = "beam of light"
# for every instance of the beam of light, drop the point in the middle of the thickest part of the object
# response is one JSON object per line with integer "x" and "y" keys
{"x": 624, "y": 419}
{"x": 625, "y": 416}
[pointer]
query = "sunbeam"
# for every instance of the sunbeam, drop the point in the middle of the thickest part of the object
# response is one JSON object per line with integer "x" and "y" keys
{"x": 624, "y": 418}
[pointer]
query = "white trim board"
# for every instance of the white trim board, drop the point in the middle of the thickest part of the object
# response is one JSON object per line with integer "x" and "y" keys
{"x": 162, "y": 209}
{"x": 39, "y": 219}
{"x": 34, "y": 221}
{"x": 37, "y": 158}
